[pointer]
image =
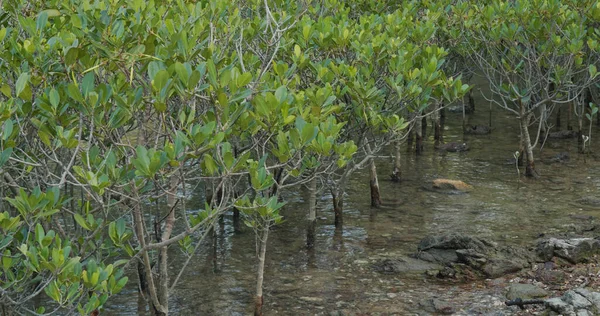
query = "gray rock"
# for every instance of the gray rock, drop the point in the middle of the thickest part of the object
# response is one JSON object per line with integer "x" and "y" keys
{"x": 574, "y": 250}
{"x": 442, "y": 307}
{"x": 312, "y": 299}
{"x": 560, "y": 157}
{"x": 562, "y": 135}
{"x": 442, "y": 256}
{"x": 454, "y": 241}
{"x": 577, "y": 300}
{"x": 584, "y": 312}
{"x": 499, "y": 267}
{"x": 589, "y": 201}
{"x": 434, "y": 305}
{"x": 525, "y": 292}
{"x": 404, "y": 265}
{"x": 558, "y": 305}
{"x": 454, "y": 147}
{"x": 478, "y": 130}
{"x": 460, "y": 252}
{"x": 593, "y": 297}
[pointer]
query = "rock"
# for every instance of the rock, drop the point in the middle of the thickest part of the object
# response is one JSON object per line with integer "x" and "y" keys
{"x": 478, "y": 130}
{"x": 404, "y": 265}
{"x": 392, "y": 295}
{"x": 311, "y": 299}
{"x": 471, "y": 257}
{"x": 560, "y": 157}
{"x": 576, "y": 302}
{"x": 454, "y": 241}
{"x": 558, "y": 305}
{"x": 499, "y": 267}
{"x": 453, "y": 147}
{"x": 574, "y": 250}
{"x": 562, "y": 135}
{"x": 434, "y": 305}
{"x": 444, "y": 308}
{"x": 525, "y": 292}
{"x": 589, "y": 201}
{"x": 448, "y": 184}
{"x": 442, "y": 256}
{"x": 582, "y": 217}
{"x": 593, "y": 297}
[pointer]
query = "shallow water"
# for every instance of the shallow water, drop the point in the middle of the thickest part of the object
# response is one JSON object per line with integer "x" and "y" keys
{"x": 338, "y": 275}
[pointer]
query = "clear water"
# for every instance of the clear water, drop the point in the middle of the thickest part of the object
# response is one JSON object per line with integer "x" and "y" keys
{"x": 337, "y": 275}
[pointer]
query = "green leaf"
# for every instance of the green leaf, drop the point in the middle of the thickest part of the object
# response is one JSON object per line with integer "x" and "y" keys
{"x": 7, "y": 130}
{"x": 212, "y": 73}
{"x": 593, "y": 71}
{"x": 5, "y": 156}
{"x": 39, "y": 233}
{"x": 87, "y": 84}
{"x": 308, "y": 133}
{"x": 51, "y": 13}
{"x": 210, "y": 165}
{"x": 81, "y": 221}
{"x": 182, "y": 73}
{"x": 160, "y": 80}
{"x": 5, "y": 89}
{"x": 22, "y": 83}
{"x": 71, "y": 56}
{"x": 41, "y": 20}
{"x": 54, "y": 97}
{"x": 74, "y": 92}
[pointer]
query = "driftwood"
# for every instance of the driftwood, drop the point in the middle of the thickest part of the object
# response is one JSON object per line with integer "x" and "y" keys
{"x": 521, "y": 303}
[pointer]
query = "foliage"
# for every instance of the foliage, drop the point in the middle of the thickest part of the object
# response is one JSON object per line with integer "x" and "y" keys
{"x": 110, "y": 107}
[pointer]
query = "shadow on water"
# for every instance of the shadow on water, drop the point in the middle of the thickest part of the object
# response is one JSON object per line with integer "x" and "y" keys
{"x": 337, "y": 275}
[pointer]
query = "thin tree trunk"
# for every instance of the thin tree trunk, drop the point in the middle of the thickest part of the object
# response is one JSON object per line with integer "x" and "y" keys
{"x": 374, "y": 184}
{"x": 569, "y": 114}
{"x": 409, "y": 139}
{"x": 312, "y": 213}
{"x": 419, "y": 137}
{"x": 464, "y": 115}
{"x": 424, "y": 127}
{"x": 526, "y": 140}
{"x": 580, "y": 135}
{"x": 139, "y": 231}
{"x": 163, "y": 275}
{"x": 258, "y": 300}
{"x": 338, "y": 207}
{"x": 558, "y": 117}
{"x": 471, "y": 102}
{"x": 397, "y": 173}
{"x": 437, "y": 129}
{"x": 236, "y": 220}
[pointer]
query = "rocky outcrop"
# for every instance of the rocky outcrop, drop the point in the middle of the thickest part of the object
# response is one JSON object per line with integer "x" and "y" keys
{"x": 404, "y": 265}
{"x": 525, "y": 292}
{"x": 468, "y": 256}
{"x": 589, "y": 201}
{"x": 560, "y": 157}
{"x": 453, "y": 147}
{"x": 577, "y": 302}
{"x": 478, "y": 130}
{"x": 573, "y": 250}
{"x": 447, "y": 184}
{"x": 562, "y": 135}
